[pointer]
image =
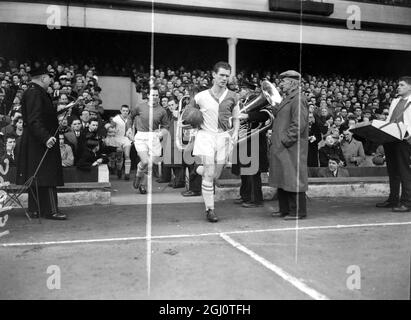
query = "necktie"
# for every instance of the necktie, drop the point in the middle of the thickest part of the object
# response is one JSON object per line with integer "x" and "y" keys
{"x": 398, "y": 112}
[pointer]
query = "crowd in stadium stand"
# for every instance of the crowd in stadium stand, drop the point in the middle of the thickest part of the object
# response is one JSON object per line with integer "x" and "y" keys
{"x": 336, "y": 103}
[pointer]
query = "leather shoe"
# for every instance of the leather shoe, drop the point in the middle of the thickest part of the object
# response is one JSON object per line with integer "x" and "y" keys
{"x": 211, "y": 216}
{"x": 136, "y": 182}
{"x": 239, "y": 201}
{"x": 401, "y": 208}
{"x": 385, "y": 204}
{"x": 289, "y": 217}
{"x": 190, "y": 193}
{"x": 142, "y": 189}
{"x": 177, "y": 186}
{"x": 127, "y": 177}
{"x": 252, "y": 205}
{"x": 280, "y": 214}
{"x": 34, "y": 215}
{"x": 57, "y": 216}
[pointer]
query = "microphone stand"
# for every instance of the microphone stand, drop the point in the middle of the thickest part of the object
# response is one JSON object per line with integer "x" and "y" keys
{"x": 33, "y": 179}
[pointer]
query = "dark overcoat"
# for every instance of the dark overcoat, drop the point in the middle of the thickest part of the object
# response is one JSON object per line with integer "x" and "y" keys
{"x": 172, "y": 156}
{"x": 288, "y": 159}
{"x": 254, "y": 119}
{"x": 40, "y": 124}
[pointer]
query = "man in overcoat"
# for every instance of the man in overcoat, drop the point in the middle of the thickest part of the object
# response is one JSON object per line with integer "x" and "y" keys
{"x": 289, "y": 149}
{"x": 40, "y": 121}
{"x": 173, "y": 157}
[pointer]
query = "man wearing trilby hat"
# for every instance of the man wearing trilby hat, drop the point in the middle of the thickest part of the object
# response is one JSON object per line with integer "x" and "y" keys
{"x": 289, "y": 149}
{"x": 40, "y": 121}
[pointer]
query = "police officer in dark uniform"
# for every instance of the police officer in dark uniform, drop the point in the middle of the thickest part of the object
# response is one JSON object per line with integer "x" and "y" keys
{"x": 40, "y": 125}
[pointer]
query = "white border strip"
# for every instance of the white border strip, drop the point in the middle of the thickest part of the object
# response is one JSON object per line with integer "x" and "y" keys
{"x": 171, "y": 236}
{"x": 280, "y": 272}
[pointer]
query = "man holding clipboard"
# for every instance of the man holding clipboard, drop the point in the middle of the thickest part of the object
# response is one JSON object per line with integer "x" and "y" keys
{"x": 398, "y": 153}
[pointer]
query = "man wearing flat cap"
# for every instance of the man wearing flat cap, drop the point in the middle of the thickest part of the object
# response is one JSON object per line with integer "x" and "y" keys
{"x": 40, "y": 121}
{"x": 289, "y": 148}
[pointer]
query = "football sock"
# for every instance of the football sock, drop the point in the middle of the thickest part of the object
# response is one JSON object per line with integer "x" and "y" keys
{"x": 208, "y": 194}
{"x": 127, "y": 166}
{"x": 140, "y": 170}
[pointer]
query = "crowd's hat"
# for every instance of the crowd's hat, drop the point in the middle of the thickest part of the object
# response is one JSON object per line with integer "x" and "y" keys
{"x": 90, "y": 107}
{"x": 290, "y": 74}
{"x": 38, "y": 71}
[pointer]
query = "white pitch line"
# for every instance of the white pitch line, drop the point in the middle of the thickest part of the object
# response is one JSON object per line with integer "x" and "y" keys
{"x": 280, "y": 272}
{"x": 171, "y": 236}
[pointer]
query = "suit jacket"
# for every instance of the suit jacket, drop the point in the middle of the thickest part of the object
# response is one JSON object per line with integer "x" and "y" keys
{"x": 72, "y": 139}
{"x": 326, "y": 173}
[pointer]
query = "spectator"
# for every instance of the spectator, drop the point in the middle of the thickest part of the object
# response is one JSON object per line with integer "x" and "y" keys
{"x": 383, "y": 116}
{"x": 314, "y": 137}
{"x": 325, "y": 120}
{"x": 73, "y": 136}
{"x": 8, "y": 150}
{"x": 339, "y": 123}
{"x": 352, "y": 149}
{"x": 333, "y": 170}
{"x": 358, "y": 113}
{"x": 16, "y": 127}
{"x": 172, "y": 167}
{"x": 67, "y": 157}
{"x": 164, "y": 102}
{"x": 2, "y": 104}
{"x": 63, "y": 123}
{"x": 115, "y": 158}
{"x": 16, "y": 103}
{"x": 379, "y": 157}
{"x": 123, "y": 134}
{"x": 89, "y": 133}
{"x": 114, "y": 147}
{"x": 91, "y": 155}
{"x": 94, "y": 115}
{"x": 330, "y": 149}
{"x": 85, "y": 118}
